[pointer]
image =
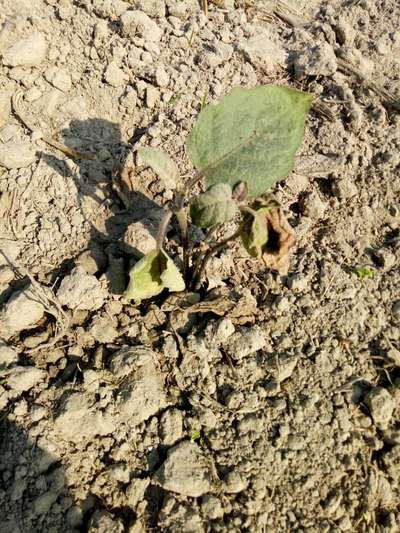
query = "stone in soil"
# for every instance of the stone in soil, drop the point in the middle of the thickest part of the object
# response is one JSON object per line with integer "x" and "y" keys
{"x": 234, "y": 483}
{"x": 16, "y": 155}
{"x": 261, "y": 50}
{"x": 179, "y": 517}
{"x": 8, "y": 356}
{"x": 24, "y": 378}
{"x": 182, "y": 10}
{"x": 103, "y": 522}
{"x": 103, "y": 330}
{"x": 92, "y": 260}
{"x": 79, "y": 419}
{"x": 144, "y": 395}
{"x": 23, "y": 310}
{"x": 80, "y": 290}
{"x": 139, "y": 238}
{"x": 27, "y": 52}
{"x": 319, "y": 60}
{"x": 138, "y": 24}
{"x": 211, "y": 506}
{"x": 281, "y": 367}
{"x": 171, "y": 426}
{"x": 59, "y": 78}
{"x": 391, "y": 460}
{"x": 153, "y": 8}
{"x": 185, "y": 471}
{"x": 6, "y": 275}
{"x": 381, "y": 405}
{"x": 136, "y": 490}
{"x": 115, "y": 76}
{"x": 5, "y": 106}
{"x": 245, "y": 342}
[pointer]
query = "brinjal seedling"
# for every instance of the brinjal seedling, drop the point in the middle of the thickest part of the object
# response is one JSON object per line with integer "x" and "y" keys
{"x": 240, "y": 148}
{"x": 364, "y": 272}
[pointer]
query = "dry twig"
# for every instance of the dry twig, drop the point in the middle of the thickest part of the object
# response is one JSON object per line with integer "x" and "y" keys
{"x": 48, "y": 139}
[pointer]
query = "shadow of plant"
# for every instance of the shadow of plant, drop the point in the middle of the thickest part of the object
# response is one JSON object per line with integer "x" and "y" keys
{"x": 103, "y": 179}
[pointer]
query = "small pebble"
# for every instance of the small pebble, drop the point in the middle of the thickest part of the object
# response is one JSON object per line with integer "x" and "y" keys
{"x": 30, "y": 51}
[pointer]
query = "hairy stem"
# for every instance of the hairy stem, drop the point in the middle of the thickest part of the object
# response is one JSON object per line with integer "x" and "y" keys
{"x": 162, "y": 230}
{"x": 206, "y": 256}
{"x": 248, "y": 210}
{"x": 183, "y": 225}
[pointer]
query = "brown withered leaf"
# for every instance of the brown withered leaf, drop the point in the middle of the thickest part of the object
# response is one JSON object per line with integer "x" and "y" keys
{"x": 281, "y": 238}
{"x": 239, "y": 305}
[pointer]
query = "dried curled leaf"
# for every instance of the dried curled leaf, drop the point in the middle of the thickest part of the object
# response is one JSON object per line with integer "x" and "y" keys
{"x": 276, "y": 253}
{"x": 214, "y": 206}
{"x": 151, "y": 275}
{"x": 267, "y": 234}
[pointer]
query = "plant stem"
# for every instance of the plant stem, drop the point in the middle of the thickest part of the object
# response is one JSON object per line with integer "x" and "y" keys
{"x": 248, "y": 210}
{"x": 204, "y": 258}
{"x": 178, "y": 210}
{"x": 183, "y": 225}
{"x": 162, "y": 230}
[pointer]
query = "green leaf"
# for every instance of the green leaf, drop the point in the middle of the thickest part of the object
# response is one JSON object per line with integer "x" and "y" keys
{"x": 255, "y": 233}
{"x": 162, "y": 165}
{"x": 214, "y": 206}
{"x": 252, "y": 135}
{"x": 151, "y": 275}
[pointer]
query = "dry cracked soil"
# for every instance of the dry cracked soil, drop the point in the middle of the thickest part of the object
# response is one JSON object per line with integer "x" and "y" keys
{"x": 273, "y": 403}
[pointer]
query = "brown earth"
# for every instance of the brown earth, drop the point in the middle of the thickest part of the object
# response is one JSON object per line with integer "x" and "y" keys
{"x": 273, "y": 405}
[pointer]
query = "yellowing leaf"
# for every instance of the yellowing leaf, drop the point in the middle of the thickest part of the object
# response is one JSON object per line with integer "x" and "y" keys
{"x": 171, "y": 278}
{"x": 255, "y": 233}
{"x": 151, "y": 275}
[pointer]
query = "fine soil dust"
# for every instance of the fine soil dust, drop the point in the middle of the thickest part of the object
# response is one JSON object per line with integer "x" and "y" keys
{"x": 269, "y": 403}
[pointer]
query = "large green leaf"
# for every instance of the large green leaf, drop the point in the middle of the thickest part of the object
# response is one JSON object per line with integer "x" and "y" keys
{"x": 161, "y": 163}
{"x": 252, "y": 135}
{"x": 214, "y": 206}
{"x": 151, "y": 275}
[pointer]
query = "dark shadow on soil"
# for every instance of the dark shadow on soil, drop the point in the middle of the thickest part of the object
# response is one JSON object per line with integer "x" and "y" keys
{"x": 32, "y": 487}
{"x": 98, "y": 179}
{"x": 34, "y": 494}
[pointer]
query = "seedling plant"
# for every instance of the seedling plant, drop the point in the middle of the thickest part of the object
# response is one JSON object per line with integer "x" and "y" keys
{"x": 240, "y": 148}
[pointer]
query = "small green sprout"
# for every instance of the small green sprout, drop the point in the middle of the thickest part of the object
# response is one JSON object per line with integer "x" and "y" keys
{"x": 364, "y": 272}
{"x": 191, "y": 38}
{"x": 203, "y": 102}
{"x": 367, "y": 517}
{"x": 195, "y": 435}
{"x": 175, "y": 98}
